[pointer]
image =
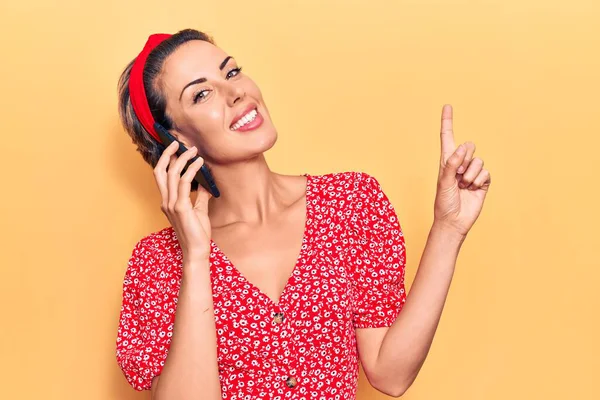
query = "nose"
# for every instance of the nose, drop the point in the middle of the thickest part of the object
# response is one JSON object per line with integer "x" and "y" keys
{"x": 235, "y": 93}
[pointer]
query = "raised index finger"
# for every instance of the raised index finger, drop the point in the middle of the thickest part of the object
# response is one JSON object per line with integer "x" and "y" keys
{"x": 446, "y": 133}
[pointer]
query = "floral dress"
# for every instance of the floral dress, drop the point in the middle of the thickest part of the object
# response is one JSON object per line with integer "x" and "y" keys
{"x": 349, "y": 274}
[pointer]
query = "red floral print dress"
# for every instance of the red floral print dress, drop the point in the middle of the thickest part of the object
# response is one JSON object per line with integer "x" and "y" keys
{"x": 349, "y": 274}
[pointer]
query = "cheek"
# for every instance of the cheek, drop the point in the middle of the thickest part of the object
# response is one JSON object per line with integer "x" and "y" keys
{"x": 254, "y": 92}
{"x": 216, "y": 117}
{"x": 207, "y": 125}
{"x": 210, "y": 120}
{"x": 252, "y": 89}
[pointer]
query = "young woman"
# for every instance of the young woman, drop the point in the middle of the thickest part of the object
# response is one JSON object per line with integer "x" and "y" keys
{"x": 280, "y": 286}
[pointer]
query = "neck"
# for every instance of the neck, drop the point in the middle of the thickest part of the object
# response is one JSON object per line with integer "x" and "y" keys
{"x": 250, "y": 192}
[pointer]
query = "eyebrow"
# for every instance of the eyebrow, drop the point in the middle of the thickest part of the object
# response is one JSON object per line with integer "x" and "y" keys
{"x": 201, "y": 80}
{"x": 224, "y": 63}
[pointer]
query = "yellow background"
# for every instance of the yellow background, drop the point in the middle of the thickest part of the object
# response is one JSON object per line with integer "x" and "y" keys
{"x": 351, "y": 85}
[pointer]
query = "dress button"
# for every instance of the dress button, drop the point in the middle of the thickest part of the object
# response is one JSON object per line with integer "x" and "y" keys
{"x": 278, "y": 317}
{"x": 291, "y": 381}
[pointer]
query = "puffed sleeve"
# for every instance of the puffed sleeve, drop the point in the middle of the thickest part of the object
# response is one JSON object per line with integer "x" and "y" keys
{"x": 376, "y": 257}
{"x": 145, "y": 330}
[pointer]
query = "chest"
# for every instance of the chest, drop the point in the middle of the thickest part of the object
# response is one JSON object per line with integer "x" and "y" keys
{"x": 283, "y": 296}
{"x": 311, "y": 321}
{"x": 264, "y": 256}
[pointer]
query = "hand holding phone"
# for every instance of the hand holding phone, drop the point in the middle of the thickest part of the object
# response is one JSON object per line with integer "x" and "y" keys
{"x": 188, "y": 217}
{"x": 203, "y": 177}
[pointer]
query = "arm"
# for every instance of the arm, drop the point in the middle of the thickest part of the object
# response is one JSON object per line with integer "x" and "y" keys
{"x": 190, "y": 370}
{"x": 392, "y": 357}
{"x": 160, "y": 334}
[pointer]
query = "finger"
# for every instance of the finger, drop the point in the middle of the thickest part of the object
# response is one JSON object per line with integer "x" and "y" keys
{"x": 172, "y": 160}
{"x": 474, "y": 168}
{"x": 182, "y": 161}
{"x": 160, "y": 172}
{"x": 174, "y": 174}
{"x": 447, "y": 133}
{"x": 201, "y": 203}
{"x": 202, "y": 198}
{"x": 483, "y": 179}
{"x": 468, "y": 157}
{"x": 185, "y": 183}
{"x": 448, "y": 177}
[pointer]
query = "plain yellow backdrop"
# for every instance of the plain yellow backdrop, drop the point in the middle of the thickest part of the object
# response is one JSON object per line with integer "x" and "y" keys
{"x": 351, "y": 85}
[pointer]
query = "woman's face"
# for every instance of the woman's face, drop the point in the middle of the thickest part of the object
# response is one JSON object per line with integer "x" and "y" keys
{"x": 206, "y": 95}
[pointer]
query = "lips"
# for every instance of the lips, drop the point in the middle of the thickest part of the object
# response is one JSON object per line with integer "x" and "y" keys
{"x": 244, "y": 111}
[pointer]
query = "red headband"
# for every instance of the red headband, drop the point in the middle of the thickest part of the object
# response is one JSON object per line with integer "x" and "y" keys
{"x": 137, "y": 93}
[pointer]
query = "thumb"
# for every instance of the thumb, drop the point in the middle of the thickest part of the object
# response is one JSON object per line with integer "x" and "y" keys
{"x": 450, "y": 168}
{"x": 202, "y": 197}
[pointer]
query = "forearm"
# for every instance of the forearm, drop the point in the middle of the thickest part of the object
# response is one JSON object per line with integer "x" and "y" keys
{"x": 407, "y": 342}
{"x": 190, "y": 370}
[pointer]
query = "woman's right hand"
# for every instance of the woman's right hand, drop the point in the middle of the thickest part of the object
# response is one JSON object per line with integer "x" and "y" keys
{"x": 190, "y": 221}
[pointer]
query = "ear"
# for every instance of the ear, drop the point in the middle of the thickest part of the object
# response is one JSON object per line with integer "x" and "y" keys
{"x": 180, "y": 137}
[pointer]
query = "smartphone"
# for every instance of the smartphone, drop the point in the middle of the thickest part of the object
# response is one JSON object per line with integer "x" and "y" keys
{"x": 203, "y": 177}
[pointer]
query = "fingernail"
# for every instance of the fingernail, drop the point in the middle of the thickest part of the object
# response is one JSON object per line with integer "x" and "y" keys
{"x": 461, "y": 169}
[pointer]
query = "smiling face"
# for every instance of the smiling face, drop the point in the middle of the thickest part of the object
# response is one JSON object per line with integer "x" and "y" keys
{"x": 213, "y": 105}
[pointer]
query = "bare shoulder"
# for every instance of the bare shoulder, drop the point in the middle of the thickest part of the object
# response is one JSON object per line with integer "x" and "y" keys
{"x": 293, "y": 188}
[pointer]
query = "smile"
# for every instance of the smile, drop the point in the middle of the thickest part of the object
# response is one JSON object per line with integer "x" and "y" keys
{"x": 246, "y": 119}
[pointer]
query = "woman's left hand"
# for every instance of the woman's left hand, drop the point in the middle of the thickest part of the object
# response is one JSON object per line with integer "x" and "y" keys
{"x": 462, "y": 182}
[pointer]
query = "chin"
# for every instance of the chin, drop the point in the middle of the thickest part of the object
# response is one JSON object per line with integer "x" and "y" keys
{"x": 266, "y": 142}
{"x": 254, "y": 143}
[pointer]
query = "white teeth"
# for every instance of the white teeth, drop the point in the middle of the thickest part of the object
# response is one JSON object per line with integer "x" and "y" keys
{"x": 244, "y": 120}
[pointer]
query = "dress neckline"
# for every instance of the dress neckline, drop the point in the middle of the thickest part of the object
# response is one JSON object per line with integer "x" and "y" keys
{"x": 297, "y": 265}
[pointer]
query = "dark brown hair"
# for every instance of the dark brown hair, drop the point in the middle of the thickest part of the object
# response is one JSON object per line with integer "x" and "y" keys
{"x": 148, "y": 147}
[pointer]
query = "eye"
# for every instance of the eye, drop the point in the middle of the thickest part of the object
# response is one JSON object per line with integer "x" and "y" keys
{"x": 200, "y": 95}
{"x": 234, "y": 71}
